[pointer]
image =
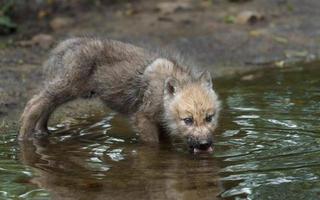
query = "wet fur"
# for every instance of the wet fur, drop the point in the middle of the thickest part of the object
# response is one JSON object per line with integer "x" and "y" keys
{"x": 128, "y": 79}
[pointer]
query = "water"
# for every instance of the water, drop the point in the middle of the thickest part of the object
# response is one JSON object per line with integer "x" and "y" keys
{"x": 267, "y": 147}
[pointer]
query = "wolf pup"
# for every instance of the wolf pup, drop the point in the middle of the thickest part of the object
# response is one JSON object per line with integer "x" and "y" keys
{"x": 156, "y": 92}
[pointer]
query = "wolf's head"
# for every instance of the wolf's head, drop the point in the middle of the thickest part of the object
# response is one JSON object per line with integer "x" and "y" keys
{"x": 192, "y": 110}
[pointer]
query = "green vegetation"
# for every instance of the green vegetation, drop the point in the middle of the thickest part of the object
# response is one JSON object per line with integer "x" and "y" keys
{"x": 6, "y": 23}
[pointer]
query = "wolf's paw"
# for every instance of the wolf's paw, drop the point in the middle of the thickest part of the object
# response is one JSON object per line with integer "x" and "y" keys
{"x": 39, "y": 134}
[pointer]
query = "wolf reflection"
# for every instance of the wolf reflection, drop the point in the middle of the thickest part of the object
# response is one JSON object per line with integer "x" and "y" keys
{"x": 74, "y": 169}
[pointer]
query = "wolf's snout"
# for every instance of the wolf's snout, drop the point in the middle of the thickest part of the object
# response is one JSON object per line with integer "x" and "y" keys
{"x": 204, "y": 144}
{"x": 200, "y": 145}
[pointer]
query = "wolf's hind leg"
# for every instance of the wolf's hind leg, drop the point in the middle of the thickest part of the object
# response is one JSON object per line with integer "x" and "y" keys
{"x": 35, "y": 109}
{"x": 38, "y": 110}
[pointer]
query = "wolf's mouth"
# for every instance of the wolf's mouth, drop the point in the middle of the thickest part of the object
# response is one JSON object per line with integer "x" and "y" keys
{"x": 201, "y": 150}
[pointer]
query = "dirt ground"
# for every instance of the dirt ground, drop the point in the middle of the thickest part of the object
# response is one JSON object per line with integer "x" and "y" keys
{"x": 226, "y": 38}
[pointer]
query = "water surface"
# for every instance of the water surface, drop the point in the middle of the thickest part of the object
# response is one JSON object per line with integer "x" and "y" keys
{"x": 267, "y": 147}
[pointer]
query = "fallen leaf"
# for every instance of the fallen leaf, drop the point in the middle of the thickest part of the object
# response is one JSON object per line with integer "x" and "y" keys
{"x": 280, "y": 39}
{"x": 249, "y": 77}
{"x": 131, "y": 11}
{"x": 249, "y": 17}
{"x": 257, "y": 33}
{"x": 59, "y": 23}
{"x": 171, "y": 7}
{"x": 42, "y": 14}
{"x": 43, "y": 40}
{"x": 279, "y": 64}
{"x": 229, "y": 19}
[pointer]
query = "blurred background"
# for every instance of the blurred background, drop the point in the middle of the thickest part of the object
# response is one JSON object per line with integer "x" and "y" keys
{"x": 224, "y": 36}
{"x": 233, "y": 33}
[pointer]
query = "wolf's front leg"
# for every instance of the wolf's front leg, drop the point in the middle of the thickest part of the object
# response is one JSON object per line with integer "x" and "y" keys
{"x": 146, "y": 127}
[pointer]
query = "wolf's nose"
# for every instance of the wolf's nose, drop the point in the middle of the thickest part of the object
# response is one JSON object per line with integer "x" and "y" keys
{"x": 205, "y": 144}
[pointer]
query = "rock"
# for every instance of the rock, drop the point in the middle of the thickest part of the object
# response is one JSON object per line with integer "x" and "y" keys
{"x": 249, "y": 17}
{"x": 171, "y": 7}
{"x": 43, "y": 40}
{"x": 165, "y": 19}
{"x": 59, "y": 23}
{"x": 251, "y": 77}
{"x": 293, "y": 53}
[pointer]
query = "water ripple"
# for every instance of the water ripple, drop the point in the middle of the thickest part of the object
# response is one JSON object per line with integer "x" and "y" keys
{"x": 273, "y": 138}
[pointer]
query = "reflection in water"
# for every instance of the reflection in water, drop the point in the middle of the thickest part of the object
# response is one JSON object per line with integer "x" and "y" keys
{"x": 107, "y": 165}
{"x": 271, "y": 149}
{"x": 267, "y": 147}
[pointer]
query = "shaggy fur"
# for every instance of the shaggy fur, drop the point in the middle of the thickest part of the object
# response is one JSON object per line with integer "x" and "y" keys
{"x": 154, "y": 91}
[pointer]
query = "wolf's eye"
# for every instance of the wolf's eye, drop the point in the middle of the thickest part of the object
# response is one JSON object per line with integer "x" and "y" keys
{"x": 188, "y": 121}
{"x": 209, "y": 118}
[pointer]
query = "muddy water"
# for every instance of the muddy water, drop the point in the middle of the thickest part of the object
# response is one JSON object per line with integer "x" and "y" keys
{"x": 267, "y": 147}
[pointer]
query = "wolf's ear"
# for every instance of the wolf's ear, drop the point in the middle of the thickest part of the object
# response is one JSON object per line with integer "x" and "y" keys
{"x": 206, "y": 79}
{"x": 171, "y": 86}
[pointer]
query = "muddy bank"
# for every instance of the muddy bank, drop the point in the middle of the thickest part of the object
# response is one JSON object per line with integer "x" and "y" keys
{"x": 217, "y": 35}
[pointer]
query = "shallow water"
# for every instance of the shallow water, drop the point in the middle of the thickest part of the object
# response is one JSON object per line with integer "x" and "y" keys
{"x": 267, "y": 147}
